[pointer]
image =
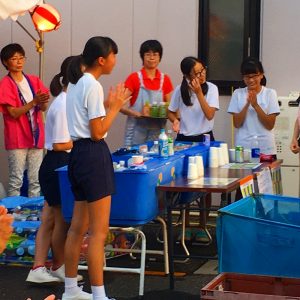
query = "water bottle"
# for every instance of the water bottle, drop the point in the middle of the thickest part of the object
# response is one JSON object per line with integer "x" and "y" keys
{"x": 163, "y": 144}
{"x": 155, "y": 149}
{"x": 255, "y": 151}
{"x": 170, "y": 143}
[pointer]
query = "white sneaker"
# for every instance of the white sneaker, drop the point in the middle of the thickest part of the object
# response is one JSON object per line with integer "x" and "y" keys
{"x": 60, "y": 274}
{"x": 80, "y": 296}
{"x": 41, "y": 275}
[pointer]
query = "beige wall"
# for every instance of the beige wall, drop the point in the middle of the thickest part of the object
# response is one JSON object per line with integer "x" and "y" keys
{"x": 128, "y": 22}
{"x": 174, "y": 23}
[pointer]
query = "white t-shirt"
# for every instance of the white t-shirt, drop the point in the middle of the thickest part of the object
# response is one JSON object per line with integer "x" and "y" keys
{"x": 267, "y": 100}
{"x": 25, "y": 90}
{"x": 56, "y": 128}
{"x": 192, "y": 118}
{"x": 85, "y": 101}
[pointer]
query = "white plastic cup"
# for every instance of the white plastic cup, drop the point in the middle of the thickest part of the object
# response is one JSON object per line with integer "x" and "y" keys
{"x": 247, "y": 155}
{"x": 192, "y": 160}
{"x": 232, "y": 155}
{"x": 192, "y": 171}
{"x": 221, "y": 157}
{"x": 200, "y": 167}
{"x": 213, "y": 157}
{"x": 224, "y": 147}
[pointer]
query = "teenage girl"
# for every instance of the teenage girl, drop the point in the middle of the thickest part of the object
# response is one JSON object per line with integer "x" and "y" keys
{"x": 254, "y": 109}
{"x": 90, "y": 168}
{"x": 53, "y": 229}
{"x": 197, "y": 102}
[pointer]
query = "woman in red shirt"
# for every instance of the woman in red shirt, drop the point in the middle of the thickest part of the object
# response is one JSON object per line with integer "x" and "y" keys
{"x": 150, "y": 86}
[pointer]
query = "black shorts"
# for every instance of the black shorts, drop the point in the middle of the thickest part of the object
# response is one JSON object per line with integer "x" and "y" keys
{"x": 90, "y": 170}
{"x": 48, "y": 177}
{"x": 194, "y": 138}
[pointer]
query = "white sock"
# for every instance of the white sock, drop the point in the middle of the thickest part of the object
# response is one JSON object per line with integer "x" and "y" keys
{"x": 71, "y": 287}
{"x": 98, "y": 292}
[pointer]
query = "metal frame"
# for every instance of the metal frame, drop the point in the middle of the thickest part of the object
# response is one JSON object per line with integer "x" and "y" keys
{"x": 143, "y": 251}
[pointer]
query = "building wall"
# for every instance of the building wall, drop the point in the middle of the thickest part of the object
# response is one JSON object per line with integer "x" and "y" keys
{"x": 174, "y": 23}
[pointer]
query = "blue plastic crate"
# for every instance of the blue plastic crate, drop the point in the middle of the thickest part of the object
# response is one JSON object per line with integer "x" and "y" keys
{"x": 260, "y": 235}
{"x": 136, "y": 199}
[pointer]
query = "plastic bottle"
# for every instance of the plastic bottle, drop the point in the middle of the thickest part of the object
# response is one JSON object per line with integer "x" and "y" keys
{"x": 154, "y": 110}
{"x": 146, "y": 109}
{"x": 170, "y": 143}
{"x": 163, "y": 144}
{"x": 155, "y": 148}
{"x": 162, "y": 111}
{"x": 255, "y": 151}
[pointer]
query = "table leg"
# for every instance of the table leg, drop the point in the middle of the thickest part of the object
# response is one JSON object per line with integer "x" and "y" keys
{"x": 170, "y": 243}
{"x": 225, "y": 199}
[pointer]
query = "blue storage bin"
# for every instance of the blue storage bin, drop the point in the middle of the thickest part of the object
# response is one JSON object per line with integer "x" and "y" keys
{"x": 136, "y": 198}
{"x": 14, "y": 201}
{"x": 260, "y": 235}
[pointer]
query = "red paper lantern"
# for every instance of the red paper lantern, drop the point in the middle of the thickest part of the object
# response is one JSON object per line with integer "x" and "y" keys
{"x": 45, "y": 18}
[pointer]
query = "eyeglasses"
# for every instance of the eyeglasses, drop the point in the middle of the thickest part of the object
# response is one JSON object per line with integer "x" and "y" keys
{"x": 151, "y": 54}
{"x": 251, "y": 76}
{"x": 16, "y": 59}
{"x": 200, "y": 73}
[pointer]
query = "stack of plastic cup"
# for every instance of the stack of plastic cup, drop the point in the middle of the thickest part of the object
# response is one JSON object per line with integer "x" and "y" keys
{"x": 192, "y": 160}
{"x": 192, "y": 171}
{"x": 232, "y": 155}
{"x": 224, "y": 147}
{"x": 247, "y": 155}
{"x": 221, "y": 157}
{"x": 200, "y": 167}
{"x": 213, "y": 157}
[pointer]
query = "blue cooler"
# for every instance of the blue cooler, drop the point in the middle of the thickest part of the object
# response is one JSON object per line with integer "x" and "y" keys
{"x": 260, "y": 235}
{"x": 136, "y": 200}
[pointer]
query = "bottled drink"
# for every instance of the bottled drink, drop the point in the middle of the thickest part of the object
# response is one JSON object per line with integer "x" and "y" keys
{"x": 163, "y": 144}
{"x": 162, "y": 111}
{"x": 255, "y": 151}
{"x": 154, "y": 110}
{"x": 155, "y": 148}
{"x": 239, "y": 154}
{"x": 170, "y": 143}
{"x": 146, "y": 109}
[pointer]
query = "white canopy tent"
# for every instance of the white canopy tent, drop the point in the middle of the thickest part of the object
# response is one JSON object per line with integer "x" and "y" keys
{"x": 16, "y": 8}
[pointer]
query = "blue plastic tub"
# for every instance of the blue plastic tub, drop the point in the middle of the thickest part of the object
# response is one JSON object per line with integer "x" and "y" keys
{"x": 136, "y": 198}
{"x": 260, "y": 235}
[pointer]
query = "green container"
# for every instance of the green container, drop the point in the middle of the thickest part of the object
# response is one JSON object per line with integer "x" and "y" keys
{"x": 154, "y": 110}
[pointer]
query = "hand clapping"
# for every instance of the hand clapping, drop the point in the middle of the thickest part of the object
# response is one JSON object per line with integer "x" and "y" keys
{"x": 117, "y": 97}
{"x": 252, "y": 98}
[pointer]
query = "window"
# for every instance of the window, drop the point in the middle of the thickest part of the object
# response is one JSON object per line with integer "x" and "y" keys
{"x": 229, "y": 31}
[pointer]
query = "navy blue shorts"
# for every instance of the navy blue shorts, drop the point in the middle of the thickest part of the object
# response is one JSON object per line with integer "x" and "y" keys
{"x": 91, "y": 170}
{"x": 194, "y": 138}
{"x": 48, "y": 177}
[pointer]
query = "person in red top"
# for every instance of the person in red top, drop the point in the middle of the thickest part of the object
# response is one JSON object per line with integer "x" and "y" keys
{"x": 148, "y": 85}
{"x": 22, "y": 100}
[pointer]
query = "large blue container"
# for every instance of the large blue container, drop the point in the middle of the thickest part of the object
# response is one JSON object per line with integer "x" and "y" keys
{"x": 136, "y": 198}
{"x": 260, "y": 235}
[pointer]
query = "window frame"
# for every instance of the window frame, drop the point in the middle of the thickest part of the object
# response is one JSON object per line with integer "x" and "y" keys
{"x": 251, "y": 40}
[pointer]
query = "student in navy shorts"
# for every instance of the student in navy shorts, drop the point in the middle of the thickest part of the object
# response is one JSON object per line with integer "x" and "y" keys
{"x": 53, "y": 229}
{"x": 90, "y": 167}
